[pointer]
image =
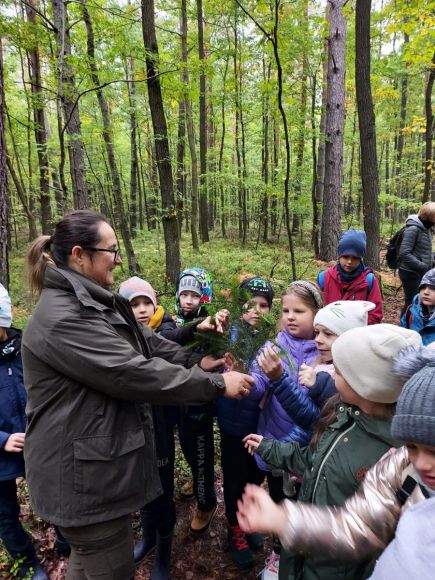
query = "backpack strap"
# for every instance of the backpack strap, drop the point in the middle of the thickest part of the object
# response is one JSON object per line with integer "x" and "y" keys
{"x": 321, "y": 280}
{"x": 406, "y": 490}
{"x": 370, "y": 281}
{"x": 408, "y": 316}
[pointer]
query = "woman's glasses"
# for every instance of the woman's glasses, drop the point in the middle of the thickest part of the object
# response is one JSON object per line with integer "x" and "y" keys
{"x": 116, "y": 253}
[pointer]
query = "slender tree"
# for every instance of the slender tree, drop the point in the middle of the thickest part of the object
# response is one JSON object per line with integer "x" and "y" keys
{"x": 334, "y": 130}
{"x": 429, "y": 134}
{"x": 120, "y": 214}
{"x": 4, "y": 198}
{"x": 40, "y": 123}
{"x": 163, "y": 158}
{"x": 203, "y": 204}
{"x": 367, "y": 131}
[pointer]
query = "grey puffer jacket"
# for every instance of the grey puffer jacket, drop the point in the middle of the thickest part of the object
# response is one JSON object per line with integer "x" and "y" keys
{"x": 415, "y": 254}
{"x": 89, "y": 451}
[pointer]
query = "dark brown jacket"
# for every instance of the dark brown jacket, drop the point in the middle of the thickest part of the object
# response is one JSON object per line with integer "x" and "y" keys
{"x": 89, "y": 448}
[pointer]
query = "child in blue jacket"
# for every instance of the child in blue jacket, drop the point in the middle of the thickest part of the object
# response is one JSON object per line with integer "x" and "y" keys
{"x": 236, "y": 420}
{"x": 12, "y": 436}
{"x": 420, "y": 314}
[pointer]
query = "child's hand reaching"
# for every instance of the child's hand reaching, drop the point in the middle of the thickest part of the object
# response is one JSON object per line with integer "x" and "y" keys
{"x": 258, "y": 512}
{"x": 307, "y": 376}
{"x": 217, "y": 324}
{"x": 252, "y": 442}
{"x": 15, "y": 443}
{"x": 270, "y": 363}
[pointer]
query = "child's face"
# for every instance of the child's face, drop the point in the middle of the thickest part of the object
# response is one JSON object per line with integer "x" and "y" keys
{"x": 296, "y": 317}
{"x": 189, "y": 301}
{"x": 347, "y": 394}
{"x": 349, "y": 263}
{"x": 324, "y": 340}
{"x": 423, "y": 459}
{"x": 427, "y": 295}
{"x": 143, "y": 309}
{"x": 253, "y": 308}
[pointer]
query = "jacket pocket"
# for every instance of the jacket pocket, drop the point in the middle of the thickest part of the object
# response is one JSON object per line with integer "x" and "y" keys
{"x": 109, "y": 468}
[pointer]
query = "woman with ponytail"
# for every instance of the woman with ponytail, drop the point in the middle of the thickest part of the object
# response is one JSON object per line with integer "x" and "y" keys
{"x": 88, "y": 370}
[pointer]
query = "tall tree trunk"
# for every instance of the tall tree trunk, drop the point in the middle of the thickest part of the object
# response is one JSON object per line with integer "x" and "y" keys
{"x": 400, "y": 141}
{"x": 367, "y": 130}
{"x": 120, "y": 214}
{"x": 428, "y": 135}
{"x": 221, "y": 149}
{"x": 203, "y": 204}
{"x": 41, "y": 129}
{"x": 4, "y": 198}
{"x": 334, "y": 130}
{"x": 134, "y": 167}
{"x": 181, "y": 149}
{"x": 320, "y": 168}
{"x": 316, "y": 217}
{"x": 190, "y": 129}
{"x": 300, "y": 142}
{"x": 33, "y": 232}
{"x": 264, "y": 210}
{"x": 68, "y": 95}
{"x": 169, "y": 215}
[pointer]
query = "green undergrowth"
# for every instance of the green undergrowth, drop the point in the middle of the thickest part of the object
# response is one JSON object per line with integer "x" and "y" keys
{"x": 224, "y": 258}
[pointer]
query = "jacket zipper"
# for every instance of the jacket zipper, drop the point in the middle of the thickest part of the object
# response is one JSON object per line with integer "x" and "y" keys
{"x": 331, "y": 449}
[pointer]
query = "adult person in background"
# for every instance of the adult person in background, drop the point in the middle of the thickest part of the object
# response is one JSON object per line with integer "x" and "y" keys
{"x": 88, "y": 369}
{"x": 415, "y": 254}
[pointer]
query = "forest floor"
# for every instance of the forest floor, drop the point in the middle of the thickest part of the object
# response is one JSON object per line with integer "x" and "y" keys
{"x": 194, "y": 558}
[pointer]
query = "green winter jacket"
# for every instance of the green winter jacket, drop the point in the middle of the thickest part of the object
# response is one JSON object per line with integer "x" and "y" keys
{"x": 331, "y": 473}
{"x": 88, "y": 371}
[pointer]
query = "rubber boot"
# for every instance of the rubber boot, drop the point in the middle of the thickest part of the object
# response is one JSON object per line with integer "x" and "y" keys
{"x": 149, "y": 536}
{"x": 162, "y": 562}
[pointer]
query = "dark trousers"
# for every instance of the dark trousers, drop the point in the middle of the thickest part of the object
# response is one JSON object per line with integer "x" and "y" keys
{"x": 197, "y": 443}
{"x": 102, "y": 551}
{"x": 410, "y": 282}
{"x": 238, "y": 469}
{"x": 163, "y": 507}
{"x": 15, "y": 539}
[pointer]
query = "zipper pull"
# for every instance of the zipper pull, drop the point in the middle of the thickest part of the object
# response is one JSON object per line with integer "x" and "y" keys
{"x": 10, "y": 371}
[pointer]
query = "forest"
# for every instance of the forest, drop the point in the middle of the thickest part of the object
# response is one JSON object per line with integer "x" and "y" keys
{"x": 260, "y": 121}
{"x": 242, "y": 136}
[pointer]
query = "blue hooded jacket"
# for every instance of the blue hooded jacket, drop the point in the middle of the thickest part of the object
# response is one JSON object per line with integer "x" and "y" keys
{"x": 415, "y": 319}
{"x": 12, "y": 404}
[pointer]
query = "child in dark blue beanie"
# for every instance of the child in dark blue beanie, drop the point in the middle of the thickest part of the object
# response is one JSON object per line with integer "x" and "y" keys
{"x": 350, "y": 279}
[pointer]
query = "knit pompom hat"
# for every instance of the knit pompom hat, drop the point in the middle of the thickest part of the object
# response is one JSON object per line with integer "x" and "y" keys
{"x": 428, "y": 279}
{"x": 414, "y": 420}
{"x": 5, "y": 308}
{"x": 344, "y": 315}
{"x": 364, "y": 357}
{"x": 135, "y": 286}
{"x": 352, "y": 243}
{"x": 258, "y": 287}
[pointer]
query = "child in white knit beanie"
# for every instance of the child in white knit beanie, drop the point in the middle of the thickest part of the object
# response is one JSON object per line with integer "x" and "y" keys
{"x": 329, "y": 323}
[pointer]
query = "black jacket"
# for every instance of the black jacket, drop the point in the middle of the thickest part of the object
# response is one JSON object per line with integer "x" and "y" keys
{"x": 415, "y": 254}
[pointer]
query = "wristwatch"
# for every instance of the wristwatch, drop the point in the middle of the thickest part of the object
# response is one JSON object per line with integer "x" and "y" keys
{"x": 219, "y": 384}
